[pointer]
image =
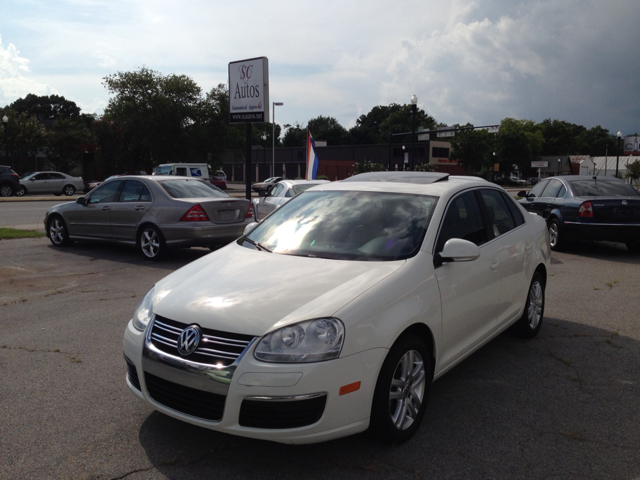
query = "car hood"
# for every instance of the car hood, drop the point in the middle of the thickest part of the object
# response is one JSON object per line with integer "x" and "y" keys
{"x": 241, "y": 290}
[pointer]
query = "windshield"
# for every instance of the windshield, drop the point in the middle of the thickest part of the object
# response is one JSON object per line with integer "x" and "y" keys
{"x": 594, "y": 188}
{"x": 164, "y": 170}
{"x": 188, "y": 188}
{"x": 347, "y": 225}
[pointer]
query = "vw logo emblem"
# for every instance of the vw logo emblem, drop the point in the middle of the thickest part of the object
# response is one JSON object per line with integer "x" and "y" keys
{"x": 624, "y": 202}
{"x": 189, "y": 339}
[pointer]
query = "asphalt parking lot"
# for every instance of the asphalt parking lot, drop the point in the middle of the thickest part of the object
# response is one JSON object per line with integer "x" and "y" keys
{"x": 564, "y": 405}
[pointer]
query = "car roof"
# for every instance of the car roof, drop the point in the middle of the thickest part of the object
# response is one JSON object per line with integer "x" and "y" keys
{"x": 422, "y": 183}
{"x": 302, "y": 182}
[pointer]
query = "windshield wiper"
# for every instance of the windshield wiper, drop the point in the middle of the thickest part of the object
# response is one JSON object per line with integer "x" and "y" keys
{"x": 257, "y": 245}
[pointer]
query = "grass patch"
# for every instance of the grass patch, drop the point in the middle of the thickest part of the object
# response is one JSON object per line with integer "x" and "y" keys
{"x": 11, "y": 233}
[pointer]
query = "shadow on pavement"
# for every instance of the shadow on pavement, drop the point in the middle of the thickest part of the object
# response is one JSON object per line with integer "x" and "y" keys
{"x": 563, "y": 405}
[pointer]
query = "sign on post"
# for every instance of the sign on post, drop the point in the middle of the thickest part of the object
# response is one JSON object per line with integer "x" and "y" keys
{"x": 249, "y": 91}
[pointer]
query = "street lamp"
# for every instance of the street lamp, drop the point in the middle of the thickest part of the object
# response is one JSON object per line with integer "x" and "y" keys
{"x": 414, "y": 107}
{"x": 559, "y": 166}
{"x": 273, "y": 138}
{"x": 618, "y": 153}
{"x": 5, "y": 120}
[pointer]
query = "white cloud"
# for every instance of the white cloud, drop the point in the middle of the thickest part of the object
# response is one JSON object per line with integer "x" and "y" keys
{"x": 15, "y": 81}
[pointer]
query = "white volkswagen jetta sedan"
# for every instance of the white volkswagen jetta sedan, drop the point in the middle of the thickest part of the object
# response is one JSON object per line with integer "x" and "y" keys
{"x": 335, "y": 314}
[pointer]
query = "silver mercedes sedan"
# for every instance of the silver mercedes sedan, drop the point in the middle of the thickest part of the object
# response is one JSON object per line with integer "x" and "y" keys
{"x": 153, "y": 213}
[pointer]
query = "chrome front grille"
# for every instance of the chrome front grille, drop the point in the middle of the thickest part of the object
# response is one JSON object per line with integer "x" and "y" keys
{"x": 215, "y": 348}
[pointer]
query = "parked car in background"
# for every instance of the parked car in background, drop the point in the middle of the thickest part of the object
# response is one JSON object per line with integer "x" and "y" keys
{"x": 50, "y": 182}
{"x": 218, "y": 182}
{"x": 517, "y": 180}
{"x": 335, "y": 313}
{"x": 221, "y": 175}
{"x": 582, "y": 207}
{"x": 264, "y": 186}
{"x": 9, "y": 181}
{"x": 197, "y": 170}
{"x": 279, "y": 194}
{"x": 152, "y": 212}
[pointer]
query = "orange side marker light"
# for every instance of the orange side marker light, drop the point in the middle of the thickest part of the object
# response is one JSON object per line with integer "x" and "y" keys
{"x": 352, "y": 387}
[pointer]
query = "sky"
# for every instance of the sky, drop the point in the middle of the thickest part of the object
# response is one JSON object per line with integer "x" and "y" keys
{"x": 476, "y": 61}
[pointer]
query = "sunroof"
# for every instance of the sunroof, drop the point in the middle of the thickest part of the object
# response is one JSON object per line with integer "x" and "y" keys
{"x": 399, "y": 177}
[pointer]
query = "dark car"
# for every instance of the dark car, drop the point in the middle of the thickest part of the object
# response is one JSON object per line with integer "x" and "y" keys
{"x": 586, "y": 208}
{"x": 9, "y": 181}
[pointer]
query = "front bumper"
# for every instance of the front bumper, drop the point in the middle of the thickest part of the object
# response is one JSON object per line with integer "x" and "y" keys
{"x": 263, "y": 387}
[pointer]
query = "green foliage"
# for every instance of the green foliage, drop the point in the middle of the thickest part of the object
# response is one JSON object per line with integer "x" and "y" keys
{"x": 424, "y": 167}
{"x": 322, "y": 177}
{"x": 295, "y": 136}
{"x": 472, "y": 148}
{"x": 633, "y": 171}
{"x": 12, "y": 233}
{"x": 365, "y": 165}
{"x": 382, "y": 120}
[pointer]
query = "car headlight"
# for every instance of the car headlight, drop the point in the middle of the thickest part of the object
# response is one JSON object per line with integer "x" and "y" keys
{"x": 310, "y": 341}
{"x": 144, "y": 312}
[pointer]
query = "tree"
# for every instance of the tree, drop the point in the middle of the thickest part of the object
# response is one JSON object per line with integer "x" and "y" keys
{"x": 328, "y": 129}
{"x": 375, "y": 126}
{"x": 47, "y": 107}
{"x": 295, "y": 136}
{"x": 633, "y": 171}
{"x": 517, "y": 143}
{"x": 157, "y": 116}
{"x": 26, "y": 137}
{"x": 473, "y": 149}
{"x": 596, "y": 141}
{"x": 560, "y": 137}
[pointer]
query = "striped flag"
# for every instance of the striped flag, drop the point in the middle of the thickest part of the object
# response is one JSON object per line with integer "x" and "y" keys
{"x": 312, "y": 158}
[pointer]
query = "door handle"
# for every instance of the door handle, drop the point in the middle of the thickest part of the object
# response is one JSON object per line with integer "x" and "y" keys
{"x": 140, "y": 207}
{"x": 494, "y": 265}
{"x": 528, "y": 246}
{"x": 105, "y": 208}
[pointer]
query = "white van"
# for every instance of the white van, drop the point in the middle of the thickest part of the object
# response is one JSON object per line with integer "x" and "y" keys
{"x": 198, "y": 170}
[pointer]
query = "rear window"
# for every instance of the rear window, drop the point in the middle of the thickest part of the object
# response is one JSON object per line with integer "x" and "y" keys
{"x": 298, "y": 189}
{"x": 595, "y": 188}
{"x": 191, "y": 189}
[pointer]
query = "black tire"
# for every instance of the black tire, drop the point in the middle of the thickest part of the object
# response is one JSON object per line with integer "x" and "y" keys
{"x": 633, "y": 247}
{"x": 152, "y": 243}
{"x": 21, "y": 191}
{"x": 57, "y": 232}
{"x": 556, "y": 237}
{"x": 402, "y": 390}
{"x": 69, "y": 190}
{"x": 6, "y": 190}
{"x": 529, "y": 324}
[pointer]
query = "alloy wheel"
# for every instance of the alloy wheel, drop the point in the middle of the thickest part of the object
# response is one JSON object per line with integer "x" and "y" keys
{"x": 407, "y": 390}
{"x": 56, "y": 231}
{"x": 150, "y": 243}
{"x": 553, "y": 234}
{"x": 536, "y": 302}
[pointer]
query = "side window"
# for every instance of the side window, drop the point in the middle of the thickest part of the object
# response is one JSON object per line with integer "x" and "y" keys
{"x": 289, "y": 193}
{"x": 462, "y": 220}
{"x": 513, "y": 208}
{"x": 276, "y": 190}
{"x": 133, "y": 191}
{"x": 41, "y": 176}
{"x": 56, "y": 176}
{"x": 500, "y": 219}
{"x": 181, "y": 171}
{"x": 552, "y": 189}
{"x": 537, "y": 190}
{"x": 562, "y": 192}
{"x": 105, "y": 193}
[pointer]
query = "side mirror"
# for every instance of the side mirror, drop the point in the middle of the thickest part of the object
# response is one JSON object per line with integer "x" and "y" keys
{"x": 249, "y": 228}
{"x": 459, "y": 250}
{"x": 81, "y": 200}
{"x": 523, "y": 193}
{"x": 262, "y": 193}
{"x": 32, "y": 179}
